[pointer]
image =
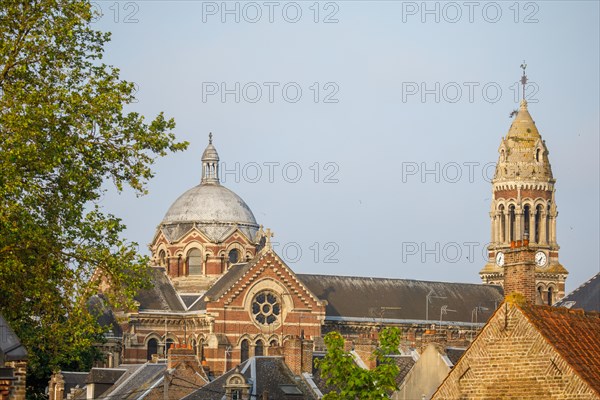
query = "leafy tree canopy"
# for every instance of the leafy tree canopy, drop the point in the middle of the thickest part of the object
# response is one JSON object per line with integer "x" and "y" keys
{"x": 353, "y": 382}
{"x": 63, "y": 134}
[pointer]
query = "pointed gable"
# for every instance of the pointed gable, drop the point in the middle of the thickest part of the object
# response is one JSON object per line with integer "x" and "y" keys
{"x": 266, "y": 265}
{"x": 530, "y": 352}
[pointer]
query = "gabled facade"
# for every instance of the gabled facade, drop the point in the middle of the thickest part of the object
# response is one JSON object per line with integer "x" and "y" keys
{"x": 530, "y": 352}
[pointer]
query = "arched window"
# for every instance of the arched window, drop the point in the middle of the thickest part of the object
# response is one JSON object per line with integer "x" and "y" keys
{"x": 194, "y": 346}
{"x": 537, "y": 155}
{"x": 550, "y": 295}
{"x": 168, "y": 344}
{"x": 502, "y": 155}
{"x": 511, "y": 215}
{"x": 538, "y": 222}
{"x": 259, "y": 349}
{"x": 527, "y": 213}
{"x": 152, "y": 348}
{"x": 245, "y": 351}
{"x": 162, "y": 258}
{"x": 273, "y": 343}
{"x": 502, "y": 224}
{"x": 194, "y": 259}
{"x": 540, "y": 295}
{"x": 234, "y": 256}
{"x": 201, "y": 350}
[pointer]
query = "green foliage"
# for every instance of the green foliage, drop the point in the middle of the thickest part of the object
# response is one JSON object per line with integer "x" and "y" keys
{"x": 351, "y": 381}
{"x": 63, "y": 134}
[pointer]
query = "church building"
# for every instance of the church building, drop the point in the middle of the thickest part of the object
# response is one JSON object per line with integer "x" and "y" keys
{"x": 219, "y": 288}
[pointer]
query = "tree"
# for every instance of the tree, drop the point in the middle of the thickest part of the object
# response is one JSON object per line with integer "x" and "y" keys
{"x": 351, "y": 381}
{"x": 64, "y": 133}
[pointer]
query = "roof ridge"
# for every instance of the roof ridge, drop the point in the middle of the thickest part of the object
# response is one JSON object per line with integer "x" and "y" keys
{"x": 397, "y": 279}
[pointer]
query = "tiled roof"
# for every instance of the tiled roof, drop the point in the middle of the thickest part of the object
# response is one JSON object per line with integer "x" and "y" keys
{"x": 586, "y": 296}
{"x": 382, "y": 298}
{"x": 575, "y": 334}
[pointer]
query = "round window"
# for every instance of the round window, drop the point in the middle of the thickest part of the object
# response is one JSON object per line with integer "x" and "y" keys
{"x": 266, "y": 308}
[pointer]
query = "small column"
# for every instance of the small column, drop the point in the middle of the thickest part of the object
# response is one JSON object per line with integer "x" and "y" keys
{"x": 507, "y": 227}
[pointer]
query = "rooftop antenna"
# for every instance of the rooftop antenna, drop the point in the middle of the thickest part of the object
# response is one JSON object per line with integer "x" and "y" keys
{"x": 523, "y": 77}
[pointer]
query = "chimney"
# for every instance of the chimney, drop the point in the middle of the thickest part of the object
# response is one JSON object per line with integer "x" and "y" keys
{"x": 519, "y": 272}
{"x": 365, "y": 348}
{"x": 292, "y": 354}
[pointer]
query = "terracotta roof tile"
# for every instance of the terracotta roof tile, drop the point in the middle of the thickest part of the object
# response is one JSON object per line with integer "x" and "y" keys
{"x": 575, "y": 334}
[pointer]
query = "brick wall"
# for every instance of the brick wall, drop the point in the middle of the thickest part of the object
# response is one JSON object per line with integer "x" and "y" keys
{"x": 511, "y": 359}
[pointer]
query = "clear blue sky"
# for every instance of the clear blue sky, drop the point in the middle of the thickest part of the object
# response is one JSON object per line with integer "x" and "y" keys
{"x": 372, "y": 62}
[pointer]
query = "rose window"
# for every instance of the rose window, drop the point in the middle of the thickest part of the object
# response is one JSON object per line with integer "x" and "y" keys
{"x": 266, "y": 308}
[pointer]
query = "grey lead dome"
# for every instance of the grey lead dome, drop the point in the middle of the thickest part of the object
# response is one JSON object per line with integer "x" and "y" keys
{"x": 212, "y": 208}
{"x": 210, "y": 203}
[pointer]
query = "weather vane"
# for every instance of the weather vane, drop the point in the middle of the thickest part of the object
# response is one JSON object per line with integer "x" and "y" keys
{"x": 524, "y": 77}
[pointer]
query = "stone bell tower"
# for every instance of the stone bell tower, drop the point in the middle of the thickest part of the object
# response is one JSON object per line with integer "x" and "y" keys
{"x": 523, "y": 209}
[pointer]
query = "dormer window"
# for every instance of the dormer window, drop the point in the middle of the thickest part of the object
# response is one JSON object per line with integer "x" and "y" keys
{"x": 236, "y": 387}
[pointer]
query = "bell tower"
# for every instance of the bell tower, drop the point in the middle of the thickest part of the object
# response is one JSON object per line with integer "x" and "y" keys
{"x": 523, "y": 209}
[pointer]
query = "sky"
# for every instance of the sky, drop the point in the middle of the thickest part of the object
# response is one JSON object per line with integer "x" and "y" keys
{"x": 364, "y": 134}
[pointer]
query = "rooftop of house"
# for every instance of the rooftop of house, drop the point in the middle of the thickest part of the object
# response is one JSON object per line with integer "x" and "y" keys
{"x": 586, "y": 296}
{"x": 574, "y": 333}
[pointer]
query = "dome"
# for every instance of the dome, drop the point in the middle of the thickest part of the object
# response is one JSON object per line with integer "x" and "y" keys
{"x": 210, "y": 207}
{"x": 210, "y": 203}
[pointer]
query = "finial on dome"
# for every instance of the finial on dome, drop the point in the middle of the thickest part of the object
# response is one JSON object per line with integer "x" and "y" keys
{"x": 523, "y": 80}
{"x": 210, "y": 163}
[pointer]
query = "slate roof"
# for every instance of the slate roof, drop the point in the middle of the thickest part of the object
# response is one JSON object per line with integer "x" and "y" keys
{"x": 226, "y": 281}
{"x": 380, "y": 298}
{"x": 586, "y": 296}
{"x": 264, "y": 374}
{"x": 104, "y": 315}
{"x": 136, "y": 382}
{"x": 575, "y": 334}
{"x": 11, "y": 348}
{"x": 161, "y": 296}
{"x": 74, "y": 380}
{"x": 104, "y": 375}
{"x": 405, "y": 364}
{"x": 454, "y": 354}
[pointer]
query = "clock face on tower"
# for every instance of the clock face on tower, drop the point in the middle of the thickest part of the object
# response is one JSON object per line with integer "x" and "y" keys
{"x": 500, "y": 258}
{"x": 540, "y": 259}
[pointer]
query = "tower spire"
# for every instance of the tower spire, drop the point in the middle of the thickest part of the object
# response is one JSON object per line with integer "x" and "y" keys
{"x": 210, "y": 163}
{"x": 524, "y": 78}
